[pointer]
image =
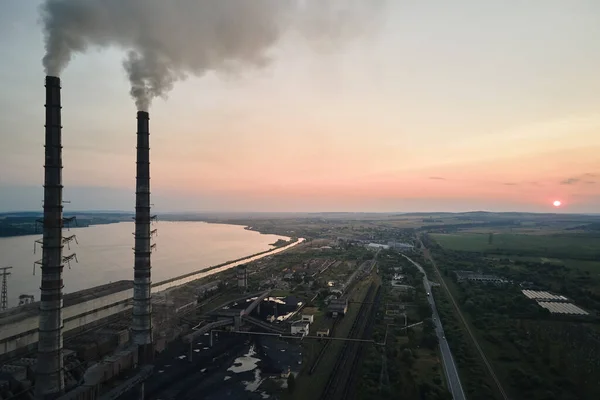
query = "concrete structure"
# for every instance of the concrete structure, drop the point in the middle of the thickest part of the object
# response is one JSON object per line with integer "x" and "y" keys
{"x": 49, "y": 371}
{"x": 555, "y": 303}
{"x": 142, "y": 303}
{"x": 20, "y": 324}
{"x": 300, "y": 328}
{"x": 402, "y": 247}
{"x": 475, "y": 277}
{"x": 26, "y": 299}
{"x": 308, "y": 318}
{"x": 242, "y": 277}
{"x": 108, "y": 369}
{"x": 323, "y": 333}
{"x": 542, "y": 295}
{"x": 556, "y": 307}
{"x": 377, "y": 246}
{"x": 338, "y": 307}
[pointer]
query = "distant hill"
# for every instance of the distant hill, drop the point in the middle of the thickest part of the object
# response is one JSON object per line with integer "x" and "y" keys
{"x": 28, "y": 222}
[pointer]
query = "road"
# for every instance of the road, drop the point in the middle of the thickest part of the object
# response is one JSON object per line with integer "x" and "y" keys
{"x": 465, "y": 324}
{"x": 452, "y": 377}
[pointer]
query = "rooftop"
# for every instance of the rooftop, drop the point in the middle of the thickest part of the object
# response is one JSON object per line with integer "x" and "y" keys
{"x": 471, "y": 275}
{"x": 28, "y": 310}
{"x": 339, "y": 301}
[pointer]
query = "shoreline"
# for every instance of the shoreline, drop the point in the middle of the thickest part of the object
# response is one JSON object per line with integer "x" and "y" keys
{"x": 166, "y": 284}
{"x": 39, "y": 231}
{"x": 19, "y": 252}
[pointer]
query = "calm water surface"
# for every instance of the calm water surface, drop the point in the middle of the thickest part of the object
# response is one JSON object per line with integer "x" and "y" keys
{"x": 105, "y": 253}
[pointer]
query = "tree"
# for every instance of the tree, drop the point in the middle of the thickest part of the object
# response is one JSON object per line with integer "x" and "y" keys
{"x": 429, "y": 340}
{"x": 291, "y": 383}
{"x": 428, "y": 326}
{"x": 407, "y": 357}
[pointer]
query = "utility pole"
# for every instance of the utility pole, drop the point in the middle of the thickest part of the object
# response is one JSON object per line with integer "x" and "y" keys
{"x": 4, "y": 297}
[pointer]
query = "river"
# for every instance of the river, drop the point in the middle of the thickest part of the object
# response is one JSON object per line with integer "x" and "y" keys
{"x": 105, "y": 253}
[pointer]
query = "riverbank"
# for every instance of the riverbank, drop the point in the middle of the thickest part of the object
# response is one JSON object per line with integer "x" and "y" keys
{"x": 183, "y": 279}
{"x": 105, "y": 254}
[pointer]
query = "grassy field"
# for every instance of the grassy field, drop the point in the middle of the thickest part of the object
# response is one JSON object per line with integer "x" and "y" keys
{"x": 593, "y": 267}
{"x": 550, "y": 246}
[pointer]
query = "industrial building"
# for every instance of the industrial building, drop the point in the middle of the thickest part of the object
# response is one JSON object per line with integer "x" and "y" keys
{"x": 377, "y": 246}
{"x": 323, "y": 332}
{"x": 20, "y": 324}
{"x": 300, "y": 328}
{"x": 308, "y": 318}
{"x": 242, "y": 278}
{"x": 470, "y": 276}
{"x": 555, "y": 303}
{"x": 402, "y": 247}
{"x": 338, "y": 307}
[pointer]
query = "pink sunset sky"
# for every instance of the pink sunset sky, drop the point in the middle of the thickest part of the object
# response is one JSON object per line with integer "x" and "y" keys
{"x": 448, "y": 106}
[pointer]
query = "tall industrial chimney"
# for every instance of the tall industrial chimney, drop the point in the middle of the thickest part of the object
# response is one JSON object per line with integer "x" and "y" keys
{"x": 142, "y": 307}
{"x": 49, "y": 369}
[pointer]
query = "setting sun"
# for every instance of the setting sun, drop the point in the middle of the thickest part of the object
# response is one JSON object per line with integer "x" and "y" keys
{"x": 557, "y": 203}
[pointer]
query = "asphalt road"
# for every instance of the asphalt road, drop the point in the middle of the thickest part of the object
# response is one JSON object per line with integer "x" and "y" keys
{"x": 452, "y": 377}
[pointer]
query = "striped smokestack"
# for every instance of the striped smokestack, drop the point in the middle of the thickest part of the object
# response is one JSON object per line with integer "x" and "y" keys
{"x": 142, "y": 308}
{"x": 49, "y": 369}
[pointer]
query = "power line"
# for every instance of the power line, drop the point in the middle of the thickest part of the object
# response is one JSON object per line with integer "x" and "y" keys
{"x": 4, "y": 296}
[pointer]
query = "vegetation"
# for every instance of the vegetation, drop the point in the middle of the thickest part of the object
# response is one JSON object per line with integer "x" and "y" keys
{"x": 282, "y": 242}
{"x": 577, "y": 246}
{"x": 535, "y": 354}
{"x": 311, "y": 386}
{"x": 19, "y": 224}
{"x": 406, "y": 363}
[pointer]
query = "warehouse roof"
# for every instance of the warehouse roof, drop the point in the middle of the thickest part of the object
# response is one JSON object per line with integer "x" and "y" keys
{"x": 28, "y": 310}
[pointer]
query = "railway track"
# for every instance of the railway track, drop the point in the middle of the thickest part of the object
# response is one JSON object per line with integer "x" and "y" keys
{"x": 349, "y": 388}
{"x": 348, "y": 358}
{"x": 313, "y": 368}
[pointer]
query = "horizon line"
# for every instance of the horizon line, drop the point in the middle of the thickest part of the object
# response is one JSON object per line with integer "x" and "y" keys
{"x": 303, "y": 212}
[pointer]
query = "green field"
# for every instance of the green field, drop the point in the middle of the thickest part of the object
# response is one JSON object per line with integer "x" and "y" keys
{"x": 592, "y": 267}
{"x": 574, "y": 246}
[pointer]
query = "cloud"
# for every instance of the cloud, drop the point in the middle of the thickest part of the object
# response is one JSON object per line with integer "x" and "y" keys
{"x": 437, "y": 178}
{"x": 570, "y": 181}
{"x": 529, "y": 183}
{"x": 583, "y": 178}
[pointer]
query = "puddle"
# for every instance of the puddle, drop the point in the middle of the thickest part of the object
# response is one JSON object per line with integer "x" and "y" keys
{"x": 253, "y": 386}
{"x": 245, "y": 363}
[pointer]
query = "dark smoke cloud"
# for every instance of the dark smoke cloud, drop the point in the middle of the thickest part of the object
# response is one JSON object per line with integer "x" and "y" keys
{"x": 166, "y": 40}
